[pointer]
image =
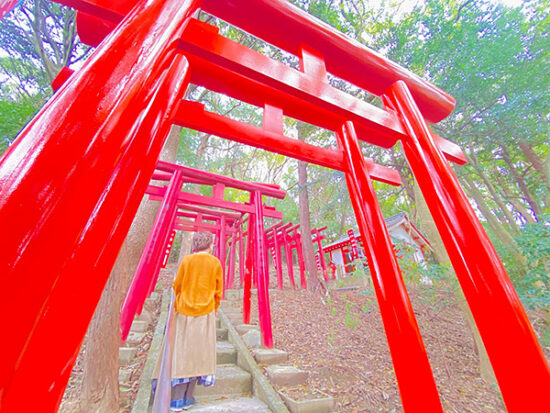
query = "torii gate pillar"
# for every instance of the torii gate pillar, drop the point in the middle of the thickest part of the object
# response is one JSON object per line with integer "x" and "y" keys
{"x": 264, "y": 312}
{"x": 520, "y": 366}
{"x": 113, "y": 155}
{"x": 410, "y": 361}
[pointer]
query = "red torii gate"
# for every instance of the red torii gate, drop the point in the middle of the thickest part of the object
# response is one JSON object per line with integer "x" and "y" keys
{"x": 172, "y": 198}
{"x": 288, "y": 236}
{"x": 277, "y": 236}
{"x": 233, "y": 231}
{"x": 69, "y": 235}
{"x": 318, "y": 238}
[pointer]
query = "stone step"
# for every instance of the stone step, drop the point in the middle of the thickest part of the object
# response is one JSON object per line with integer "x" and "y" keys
{"x": 124, "y": 375}
{"x": 245, "y": 328}
{"x": 226, "y": 353}
{"x": 252, "y": 339}
{"x": 235, "y": 318}
{"x": 126, "y": 355}
{"x": 270, "y": 356}
{"x": 286, "y": 375}
{"x": 234, "y": 294}
{"x": 234, "y": 312}
{"x": 221, "y": 334}
{"x": 139, "y": 326}
{"x": 230, "y": 381}
{"x": 241, "y": 405}
{"x": 134, "y": 338}
{"x": 231, "y": 305}
{"x": 153, "y": 298}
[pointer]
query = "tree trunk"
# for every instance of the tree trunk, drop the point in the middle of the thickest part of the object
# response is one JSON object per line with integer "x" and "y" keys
{"x": 503, "y": 235}
{"x": 343, "y": 218}
{"x": 100, "y": 379}
{"x": 305, "y": 220}
{"x": 428, "y": 227}
{"x": 539, "y": 165}
{"x": 512, "y": 199}
{"x": 313, "y": 283}
{"x": 532, "y": 157}
{"x": 490, "y": 187}
{"x": 521, "y": 183}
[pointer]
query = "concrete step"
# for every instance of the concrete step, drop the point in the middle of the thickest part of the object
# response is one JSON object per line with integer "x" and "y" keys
{"x": 126, "y": 355}
{"x": 240, "y": 405}
{"x": 270, "y": 356}
{"x": 286, "y": 375}
{"x": 232, "y": 310}
{"x": 235, "y": 318}
{"x": 234, "y": 295}
{"x": 230, "y": 381}
{"x": 139, "y": 326}
{"x": 226, "y": 353}
{"x": 231, "y": 305}
{"x": 134, "y": 339}
{"x": 245, "y": 328}
{"x": 221, "y": 334}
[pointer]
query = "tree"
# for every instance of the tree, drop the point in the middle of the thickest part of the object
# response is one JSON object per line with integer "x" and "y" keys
{"x": 37, "y": 38}
{"x": 305, "y": 220}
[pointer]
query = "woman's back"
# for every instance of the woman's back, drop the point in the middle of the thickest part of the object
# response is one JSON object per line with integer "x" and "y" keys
{"x": 198, "y": 285}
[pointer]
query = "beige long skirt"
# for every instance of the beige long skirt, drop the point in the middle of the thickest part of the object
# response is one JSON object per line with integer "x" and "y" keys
{"x": 194, "y": 351}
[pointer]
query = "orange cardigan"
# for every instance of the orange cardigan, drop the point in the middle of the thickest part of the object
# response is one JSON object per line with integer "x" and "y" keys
{"x": 198, "y": 285}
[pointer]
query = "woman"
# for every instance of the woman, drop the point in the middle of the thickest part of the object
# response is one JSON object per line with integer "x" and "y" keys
{"x": 198, "y": 291}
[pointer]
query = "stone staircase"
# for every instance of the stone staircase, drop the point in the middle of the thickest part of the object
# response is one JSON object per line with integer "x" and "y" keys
{"x": 236, "y": 389}
{"x": 233, "y": 387}
{"x": 272, "y": 362}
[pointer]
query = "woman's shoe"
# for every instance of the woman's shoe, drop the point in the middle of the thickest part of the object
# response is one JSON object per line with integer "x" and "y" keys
{"x": 188, "y": 403}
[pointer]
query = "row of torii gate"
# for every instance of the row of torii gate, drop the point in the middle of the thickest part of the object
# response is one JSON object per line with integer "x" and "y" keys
{"x": 72, "y": 181}
{"x": 188, "y": 211}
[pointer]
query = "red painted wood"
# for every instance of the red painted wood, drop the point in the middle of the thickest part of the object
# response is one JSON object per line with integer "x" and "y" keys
{"x": 241, "y": 240}
{"x": 344, "y": 57}
{"x": 208, "y": 178}
{"x": 145, "y": 270}
{"x": 517, "y": 359}
{"x": 260, "y": 253}
{"x": 410, "y": 361}
{"x": 156, "y": 193}
{"x": 192, "y": 115}
{"x": 56, "y": 263}
{"x": 248, "y": 275}
{"x": 6, "y": 6}
{"x": 231, "y": 266}
{"x": 222, "y": 243}
{"x": 208, "y": 211}
{"x": 279, "y": 264}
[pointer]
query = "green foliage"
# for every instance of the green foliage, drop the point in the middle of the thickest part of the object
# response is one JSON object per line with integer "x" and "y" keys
{"x": 331, "y": 336}
{"x": 14, "y": 114}
{"x": 533, "y": 285}
{"x": 37, "y": 38}
{"x": 351, "y": 319}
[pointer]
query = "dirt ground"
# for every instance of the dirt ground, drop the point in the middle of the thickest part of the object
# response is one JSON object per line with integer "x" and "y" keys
{"x": 341, "y": 341}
